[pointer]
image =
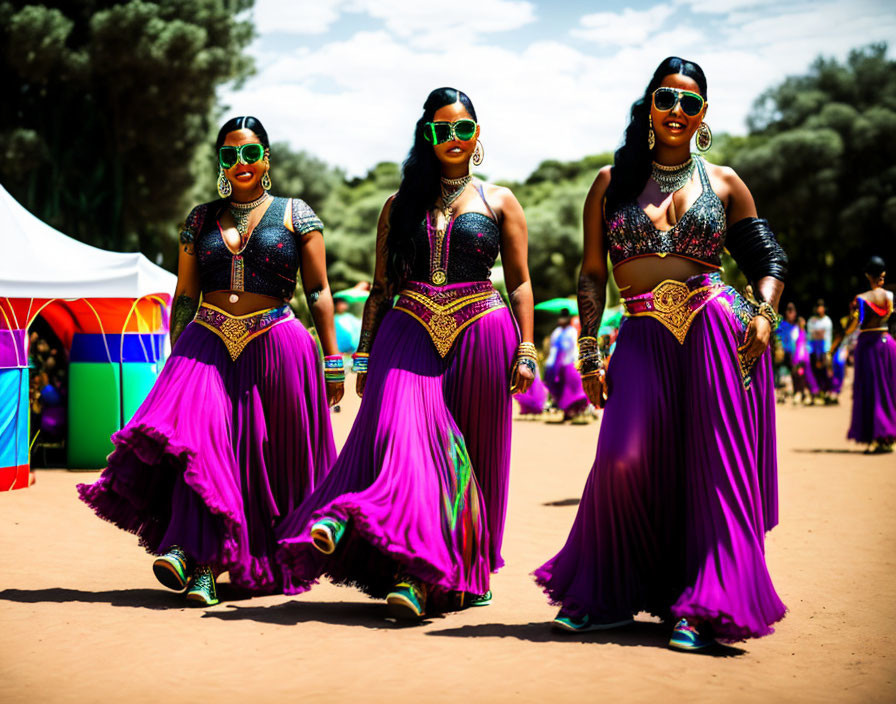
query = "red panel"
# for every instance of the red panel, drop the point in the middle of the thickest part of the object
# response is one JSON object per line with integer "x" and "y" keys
{"x": 14, "y": 477}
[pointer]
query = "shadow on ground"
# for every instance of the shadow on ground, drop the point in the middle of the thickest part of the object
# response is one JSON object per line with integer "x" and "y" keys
{"x": 368, "y": 615}
{"x": 828, "y": 451}
{"x": 640, "y": 633}
{"x": 155, "y": 599}
{"x": 563, "y": 502}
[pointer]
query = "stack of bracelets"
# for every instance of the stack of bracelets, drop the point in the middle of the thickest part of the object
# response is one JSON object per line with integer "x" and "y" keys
{"x": 526, "y": 357}
{"x": 591, "y": 361}
{"x": 359, "y": 362}
{"x": 334, "y": 369}
{"x": 768, "y": 312}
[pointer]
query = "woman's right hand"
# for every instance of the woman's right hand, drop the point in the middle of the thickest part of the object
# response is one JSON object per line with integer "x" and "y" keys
{"x": 360, "y": 381}
{"x": 596, "y": 388}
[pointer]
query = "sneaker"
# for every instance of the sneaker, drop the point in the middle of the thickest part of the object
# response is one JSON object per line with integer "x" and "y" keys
{"x": 407, "y": 600}
{"x": 202, "y": 591}
{"x": 173, "y": 568}
{"x": 326, "y": 534}
{"x": 688, "y": 637}
{"x": 571, "y": 624}
{"x": 481, "y": 599}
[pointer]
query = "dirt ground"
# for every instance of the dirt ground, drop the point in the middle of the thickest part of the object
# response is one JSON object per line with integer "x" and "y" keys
{"x": 82, "y": 618}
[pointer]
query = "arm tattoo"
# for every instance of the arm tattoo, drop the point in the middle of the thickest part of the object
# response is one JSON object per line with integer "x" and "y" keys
{"x": 313, "y": 296}
{"x": 378, "y": 304}
{"x": 188, "y": 240}
{"x": 184, "y": 310}
{"x": 592, "y": 299}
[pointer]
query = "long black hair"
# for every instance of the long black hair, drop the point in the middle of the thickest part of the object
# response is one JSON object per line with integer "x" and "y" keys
{"x": 246, "y": 122}
{"x": 419, "y": 187}
{"x": 631, "y": 165}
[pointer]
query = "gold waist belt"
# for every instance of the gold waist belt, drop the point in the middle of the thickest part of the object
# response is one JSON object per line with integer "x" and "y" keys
{"x": 445, "y": 311}
{"x": 676, "y": 303}
{"x": 237, "y": 331}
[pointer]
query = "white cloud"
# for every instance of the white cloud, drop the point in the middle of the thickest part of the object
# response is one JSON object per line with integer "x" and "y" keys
{"x": 296, "y": 16}
{"x": 622, "y": 28}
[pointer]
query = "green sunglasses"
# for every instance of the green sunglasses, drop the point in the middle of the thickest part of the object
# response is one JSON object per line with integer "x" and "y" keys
{"x": 666, "y": 98}
{"x": 440, "y": 132}
{"x": 246, "y": 153}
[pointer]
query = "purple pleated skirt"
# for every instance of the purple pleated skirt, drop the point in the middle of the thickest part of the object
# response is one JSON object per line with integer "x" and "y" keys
{"x": 422, "y": 479}
{"x": 220, "y": 450}
{"x": 565, "y": 386}
{"x": 683, "y": 488}
{"x": 532, "y": 401}
{"x": 874, "y": 389}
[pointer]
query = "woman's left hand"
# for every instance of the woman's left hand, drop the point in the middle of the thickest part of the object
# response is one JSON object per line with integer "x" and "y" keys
{"x": 335, "y": 391}
{"x": 759, "y": 334}
{"x": 521, "y": 379}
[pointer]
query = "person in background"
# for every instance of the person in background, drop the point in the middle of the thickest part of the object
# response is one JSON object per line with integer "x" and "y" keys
{"x": 560, "y": 374}
{"x": 820, "y": 331}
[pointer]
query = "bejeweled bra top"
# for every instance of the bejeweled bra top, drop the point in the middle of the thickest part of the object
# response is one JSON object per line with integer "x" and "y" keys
{"x": 471, "y": 247}
{"x": 268, "y": 263}
{"x": 698, "y": 235}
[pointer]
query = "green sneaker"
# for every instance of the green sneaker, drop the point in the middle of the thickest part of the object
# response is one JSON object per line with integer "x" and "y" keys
{"x": 688, "y": 637}
{"x": 571, "y": 624}
{"x": 202, "y": 591}
{"x": 173, "y": 568}
{"x": 326, "y": 534}
{"x": 481, "y": 599}
{"x": 407, "y": 600}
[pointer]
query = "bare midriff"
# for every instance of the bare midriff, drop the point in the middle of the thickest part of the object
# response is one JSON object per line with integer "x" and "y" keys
{"x": 247, "y": 303}
{"x": 642, "y": 274}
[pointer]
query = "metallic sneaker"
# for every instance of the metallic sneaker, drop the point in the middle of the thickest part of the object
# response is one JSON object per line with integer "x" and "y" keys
{"x": 202, "y": 591}
{"x": 571, "y": 624}
{"x": 326, "y": 534}
{"x": 407, "y": 600}
{"x": 481, "y": 599}
{"x": 173, "y": 568}
{"x": 688, "y": 637}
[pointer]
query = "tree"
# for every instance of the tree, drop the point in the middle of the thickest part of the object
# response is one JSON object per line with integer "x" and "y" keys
{"x": 106, "y": 106}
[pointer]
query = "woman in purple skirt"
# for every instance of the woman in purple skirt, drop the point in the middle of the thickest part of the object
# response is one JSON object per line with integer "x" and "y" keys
{"x": 874, "y": 386}
{"x": 560, "y": 373}
{"x": 683, "y": 488}
{"x": 236, "y": 431}
{"x": 413, "y": 510}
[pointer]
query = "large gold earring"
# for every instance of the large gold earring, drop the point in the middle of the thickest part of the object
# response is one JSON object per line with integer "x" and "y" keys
{"x": 478, "y": 154}
{"x": 651, "y": 137}
{"x": 704, "y": 137}
{"x": 224, "y": 187}
{"x": 266, "y": 181}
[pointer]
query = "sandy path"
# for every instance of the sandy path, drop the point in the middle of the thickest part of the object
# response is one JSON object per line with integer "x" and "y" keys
{"x": 83, "y": 620}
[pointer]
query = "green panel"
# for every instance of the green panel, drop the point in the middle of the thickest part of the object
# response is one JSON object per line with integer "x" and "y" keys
{"x": 136, "y": 381}
{"x": 94, "y": 412}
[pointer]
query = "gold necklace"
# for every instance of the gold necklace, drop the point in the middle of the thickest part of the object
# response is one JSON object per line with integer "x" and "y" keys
{"x": 240, "y": 212}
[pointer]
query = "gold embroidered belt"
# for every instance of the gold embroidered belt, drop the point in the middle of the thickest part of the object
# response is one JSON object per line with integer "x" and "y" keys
{"x": 236, "y": 331}
{"x": 676, "y": 303}
{"x": 445, "y": 311}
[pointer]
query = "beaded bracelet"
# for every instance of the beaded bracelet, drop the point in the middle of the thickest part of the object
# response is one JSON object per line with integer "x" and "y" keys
{"x": 359, "y": 362}
{"x": 768, "y": 312}
{"x": 334, "y": 369}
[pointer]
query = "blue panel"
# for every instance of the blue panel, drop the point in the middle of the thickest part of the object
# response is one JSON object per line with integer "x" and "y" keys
{"x": 13, "y": 417}
{"x": 138, "y": 347}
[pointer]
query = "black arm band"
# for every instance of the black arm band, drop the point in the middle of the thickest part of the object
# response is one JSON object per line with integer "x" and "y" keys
{"x": 753, "y": 245}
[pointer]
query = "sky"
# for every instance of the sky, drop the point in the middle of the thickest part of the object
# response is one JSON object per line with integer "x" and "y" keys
{"x": 346, "y": 79}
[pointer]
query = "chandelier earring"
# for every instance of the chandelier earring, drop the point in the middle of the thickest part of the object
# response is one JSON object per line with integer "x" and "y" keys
{"x": 224, "y": 187}
{"x": 266, "y": 181}
{"x": 651, "y": 136}
{"x": 704, "y": 137}
{"x": 478, "y": 154}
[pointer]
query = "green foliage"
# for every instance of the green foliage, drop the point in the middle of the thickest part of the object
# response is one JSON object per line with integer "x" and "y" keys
{"x": 112, "y": 102}
{"x": 820, "y": 164}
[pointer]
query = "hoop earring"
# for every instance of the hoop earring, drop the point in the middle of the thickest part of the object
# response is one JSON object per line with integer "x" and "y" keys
{"x": 651, "y": 137}
{"x": 224, "y": 186}
{"x": 704, "y": 137}
{"x": 266, "y": 181}
{"x": 478, "y": 154}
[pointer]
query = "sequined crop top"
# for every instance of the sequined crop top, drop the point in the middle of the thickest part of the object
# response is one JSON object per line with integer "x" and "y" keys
{"x": 470, "y": 248}
{"x": 268, "y": 263}
{"x": 698, "y": 235}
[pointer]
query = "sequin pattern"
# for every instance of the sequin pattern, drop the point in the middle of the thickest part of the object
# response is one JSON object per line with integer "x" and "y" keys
{"x": 699, "y": 234}
{"x": 473, "y": 248}
{"x": 268, "y": 263}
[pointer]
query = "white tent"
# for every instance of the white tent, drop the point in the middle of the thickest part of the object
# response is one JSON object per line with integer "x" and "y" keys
{"x": 40, "y": 262}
